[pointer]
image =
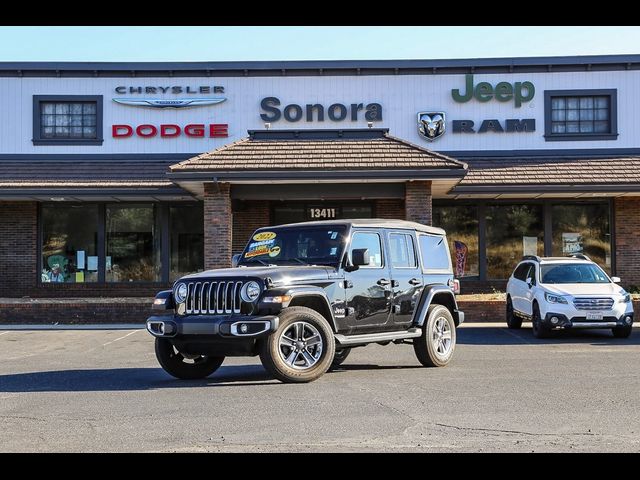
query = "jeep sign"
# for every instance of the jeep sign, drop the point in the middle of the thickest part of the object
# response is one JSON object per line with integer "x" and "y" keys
{"x": 519, "y": 92}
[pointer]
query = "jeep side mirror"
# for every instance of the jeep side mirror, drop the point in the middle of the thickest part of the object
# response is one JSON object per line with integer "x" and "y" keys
{"x": 360, "y": 257}
{"x": 616, "y": 279}
{"x": 235, "y": 259}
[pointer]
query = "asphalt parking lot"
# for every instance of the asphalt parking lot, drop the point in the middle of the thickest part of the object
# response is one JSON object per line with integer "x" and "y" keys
{"x": 504, "y": 391}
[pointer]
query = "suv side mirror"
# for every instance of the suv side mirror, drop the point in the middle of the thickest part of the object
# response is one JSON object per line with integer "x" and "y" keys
{"x": 360, "y": 257}
{"x": 616, "y": 279}
{"x": 235, "y": 259}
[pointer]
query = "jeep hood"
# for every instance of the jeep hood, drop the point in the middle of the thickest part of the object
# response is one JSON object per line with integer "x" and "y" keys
{"x": 280, "y": 275}
{"x": 584, "y": 289}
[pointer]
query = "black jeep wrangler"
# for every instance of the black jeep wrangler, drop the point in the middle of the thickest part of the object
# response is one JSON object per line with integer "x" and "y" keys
{"x": 303, "y": 295}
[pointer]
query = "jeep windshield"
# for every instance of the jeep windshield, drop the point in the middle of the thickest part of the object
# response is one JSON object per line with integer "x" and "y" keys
{"x": 295, "y": 246}
{"x": 573, "y": 273}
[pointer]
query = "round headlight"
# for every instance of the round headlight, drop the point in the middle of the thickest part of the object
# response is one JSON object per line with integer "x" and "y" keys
{"x": 250, "y": 291}
{"x": 180, "y": 292}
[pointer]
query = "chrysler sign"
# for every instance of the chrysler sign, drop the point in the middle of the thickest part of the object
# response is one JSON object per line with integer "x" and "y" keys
{"x": 170, "y": 102}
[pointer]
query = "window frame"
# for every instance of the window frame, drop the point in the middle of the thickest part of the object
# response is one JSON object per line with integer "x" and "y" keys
{"x": 38, "y": 139}
{"x": 612, "y": 93}
{"x": 382, "y": 248}
{"x": 411, "y": 241}
{"x": 424, "y": 267}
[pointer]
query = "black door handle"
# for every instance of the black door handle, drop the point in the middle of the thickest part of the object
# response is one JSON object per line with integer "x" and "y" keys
{"x": 415, "y": 281}
{"x": 383, "y": 282}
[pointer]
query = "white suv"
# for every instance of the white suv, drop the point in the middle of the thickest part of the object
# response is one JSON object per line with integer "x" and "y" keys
{"x": 567, "y": 292}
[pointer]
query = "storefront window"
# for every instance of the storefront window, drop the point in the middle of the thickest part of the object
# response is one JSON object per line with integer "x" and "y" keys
{"x": 461, "y": 224}
{"x": 186, "y": 228}
{"x": 583, "y": 228}
{"x": 512, "y": 231}
{"x": 132, "y": 243}
{"x": 69, "y": 243}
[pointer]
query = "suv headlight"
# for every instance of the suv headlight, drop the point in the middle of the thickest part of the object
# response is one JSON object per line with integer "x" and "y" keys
{"x": 551, "y": 298}
{"x": 250, "y": 292}
{"x": 626, "y": 298}
{"x": 180, "y": 292}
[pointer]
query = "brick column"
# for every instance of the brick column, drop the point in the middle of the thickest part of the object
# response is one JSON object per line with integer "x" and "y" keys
{"x": 18, "y": 248}
{"x": 218, "y": 224}
{"x": 627, "y": 230}
{"x": 418, "y": 201}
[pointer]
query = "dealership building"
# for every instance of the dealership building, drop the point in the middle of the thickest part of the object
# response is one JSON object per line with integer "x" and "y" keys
{"x": 118, "y": 178}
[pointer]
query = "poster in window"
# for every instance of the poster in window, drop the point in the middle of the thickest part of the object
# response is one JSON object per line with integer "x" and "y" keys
{"x": 92, "y": 263}
{"x": 529, "y": 245}
{"x": 572, "y": 243}
{"x": 80, "y": 259}
{"x": 462, "y": 252}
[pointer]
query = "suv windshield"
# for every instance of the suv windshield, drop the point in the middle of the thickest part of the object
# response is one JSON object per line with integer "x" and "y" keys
{"x": 299, "y": 246}
{"x": 573, "y": 273}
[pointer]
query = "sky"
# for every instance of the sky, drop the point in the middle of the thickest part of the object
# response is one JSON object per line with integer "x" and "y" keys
{"x": 228, "y": 43}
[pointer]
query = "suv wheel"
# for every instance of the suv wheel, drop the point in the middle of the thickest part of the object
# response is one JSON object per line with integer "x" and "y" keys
{"x": 434, "y": 348}
{"x": 539, "y": 330}
{"x": 340, "y": 356}
{"x": 182, "y": 365}
{"x": 622, "y": 332}
{"x": 301, "y": 349}
{"x": 512, "y": 321}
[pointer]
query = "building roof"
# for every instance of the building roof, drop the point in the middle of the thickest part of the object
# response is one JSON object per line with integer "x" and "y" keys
{"x": 139, "y": 177}
{"x": 540, "y": 173}
{"x": 320, "y": 151}
{"x": 322, "y": 67}
{"x": 367, "y": 222}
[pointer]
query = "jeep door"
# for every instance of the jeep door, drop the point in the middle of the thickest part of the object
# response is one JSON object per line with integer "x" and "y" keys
{"x": 406, "y": 276}
{"x": 369, "y": 287}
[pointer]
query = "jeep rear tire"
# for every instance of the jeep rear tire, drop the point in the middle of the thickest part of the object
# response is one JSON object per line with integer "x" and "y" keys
{"x": 301, "y": 349}
{"x": 513, "y": 322}
{"x": 183, "y": 366}
{"x": 340, "y": 356}
{"x": 435, "y": 347}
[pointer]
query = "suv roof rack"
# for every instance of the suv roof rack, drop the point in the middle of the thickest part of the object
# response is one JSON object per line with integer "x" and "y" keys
{"x": 581, "y": 256}
{"x": 535, "y": 258}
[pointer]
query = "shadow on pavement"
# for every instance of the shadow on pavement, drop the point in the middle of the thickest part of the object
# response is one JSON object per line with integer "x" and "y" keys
{"x": 123, "y": 379}
{"x": 503, "y": 336}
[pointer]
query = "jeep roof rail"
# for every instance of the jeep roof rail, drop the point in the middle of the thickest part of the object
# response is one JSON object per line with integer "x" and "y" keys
{"x": 535, "y": 258}
{"x": 581, "y": 256}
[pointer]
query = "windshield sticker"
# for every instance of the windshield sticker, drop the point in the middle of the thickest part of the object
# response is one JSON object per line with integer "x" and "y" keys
{"x": 263, "y": 247}
{"x": 275, "y": 251}
{"x": 258, "y": 237}
{"x": 334, "y": 251}
{"x": 334, "y": 235}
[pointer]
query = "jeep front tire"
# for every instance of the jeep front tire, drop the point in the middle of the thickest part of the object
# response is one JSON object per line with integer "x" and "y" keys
{"x": 182, "y": 365}
{"x": 301, "y": 349}
{"x": 434, "y": 348}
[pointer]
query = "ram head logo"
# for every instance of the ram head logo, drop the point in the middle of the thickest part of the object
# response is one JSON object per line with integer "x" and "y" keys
{"x": 431, "y": 125}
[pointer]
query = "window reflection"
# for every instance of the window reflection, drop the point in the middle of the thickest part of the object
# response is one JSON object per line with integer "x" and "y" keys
{"x": 461, "y": 224}
{"x": 186, "y": 228}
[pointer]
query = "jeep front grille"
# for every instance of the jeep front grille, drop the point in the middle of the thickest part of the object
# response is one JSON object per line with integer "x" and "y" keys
{"x": 213, "y": 298}
{"x": 601, "y": 303}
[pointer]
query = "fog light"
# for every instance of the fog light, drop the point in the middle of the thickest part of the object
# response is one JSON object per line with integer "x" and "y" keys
{"x": 243, "y": 328}
{"x": 628, "y": 320}
{"x": 555, "y": 320}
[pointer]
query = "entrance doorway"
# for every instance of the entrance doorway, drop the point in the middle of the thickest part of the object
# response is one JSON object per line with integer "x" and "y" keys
{"x": 291, "y": 212}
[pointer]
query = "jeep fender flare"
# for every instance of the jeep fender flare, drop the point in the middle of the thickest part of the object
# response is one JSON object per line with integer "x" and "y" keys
{"x": 428, "y": 294}
{"x": 306, "y": 292}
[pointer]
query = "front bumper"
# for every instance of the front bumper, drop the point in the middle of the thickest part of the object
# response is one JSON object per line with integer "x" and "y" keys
{"x": 580, "y": 321}
{"x": 222, "y": 326}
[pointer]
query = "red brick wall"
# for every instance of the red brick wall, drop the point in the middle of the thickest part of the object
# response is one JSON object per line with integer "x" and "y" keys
{"x": 18, "y": 248}
{"x": 218, "y": 225}
{"x": 251, "y": 216}
{"x": 418, "y": 205}
{"x": 627, "y": 231}
{"x": 390, "y": 208}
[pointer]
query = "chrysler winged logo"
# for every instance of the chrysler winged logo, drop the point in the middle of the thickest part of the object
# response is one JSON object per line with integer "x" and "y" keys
{"x": 431, "y": 125}
{"x": 169, "y": 102}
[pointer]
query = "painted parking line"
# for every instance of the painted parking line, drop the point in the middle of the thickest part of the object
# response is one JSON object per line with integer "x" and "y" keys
{"x": 120, "y": 338}
{"x": 4, "y": 333}
{"x": 513, "y": 334}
